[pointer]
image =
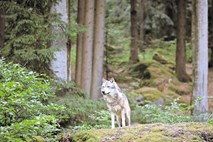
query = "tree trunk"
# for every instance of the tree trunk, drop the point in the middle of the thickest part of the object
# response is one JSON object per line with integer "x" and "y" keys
{"x": 211, "y": 36}
{"x": 59, "y": 65}
{"x": 79, "y": 52}
{"x": 141, "y": 25}
{"x": 69, "y": 44}
{"x": 134, "y": 35}
{"x": 200, "y": 57}
{"x": 98, "y": 49}
{"x": 181, "y": 49}
{"x": 87, "y": 46}
{"x": 2, "y": 29}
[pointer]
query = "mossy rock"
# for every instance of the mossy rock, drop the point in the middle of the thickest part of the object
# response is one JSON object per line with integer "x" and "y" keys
{"x": 86, "y": 137}
{"x": 148, "y": 94}
{"x": 152, "y": 137}
{"x": 158, "y": 70}
{"x": 197, "y": 132}
{"x": 139, "y": 70}
{"x": 160, "y": 59}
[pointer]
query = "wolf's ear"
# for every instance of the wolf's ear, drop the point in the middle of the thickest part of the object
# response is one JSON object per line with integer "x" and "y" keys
{"x": 103, "y": 80}
{"x": 112, "y": 80}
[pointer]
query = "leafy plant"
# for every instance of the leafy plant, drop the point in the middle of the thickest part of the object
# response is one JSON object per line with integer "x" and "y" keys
{"x": 151, "y": 113}
{"x": 24, "y": 108}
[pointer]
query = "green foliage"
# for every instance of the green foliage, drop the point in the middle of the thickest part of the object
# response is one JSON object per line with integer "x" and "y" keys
{"x": 157, "y": 22}
{"x": 166, "y": 49}
{"x": 65, "y": 88}
{"x": 151, "y": 113}
{"x": 27, "y": 130}
{"x": 24, "y": 108}
{"x": 117, "y": 25}
{"x": 28, "y": 33}
{"x": 210, "y": 120}
{"x": 101, "y": 119}
{"x": 80, "y": 109}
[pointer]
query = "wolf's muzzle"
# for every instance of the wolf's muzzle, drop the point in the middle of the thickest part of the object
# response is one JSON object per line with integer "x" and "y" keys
{"x": 103, "y": 92}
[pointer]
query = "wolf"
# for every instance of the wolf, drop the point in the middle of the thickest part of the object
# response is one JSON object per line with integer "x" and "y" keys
{"x": 117, "y": 103}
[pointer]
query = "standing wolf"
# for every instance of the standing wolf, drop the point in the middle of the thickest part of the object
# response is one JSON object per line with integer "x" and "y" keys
{"x": 117, "y": 102}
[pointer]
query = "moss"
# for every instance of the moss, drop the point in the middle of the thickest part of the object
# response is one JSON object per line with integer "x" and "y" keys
{"x": 150, "y": 94}
{"x": 155, "y": 137}
{"x": 149, "y": 133}
{"x": 125, "y": 137}
{"x": 139, "y": 70}
{"x": 158, "y": 70}
{"x": 88, "y": 136}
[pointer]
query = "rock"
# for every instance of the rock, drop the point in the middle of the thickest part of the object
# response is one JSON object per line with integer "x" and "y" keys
{"x": 149, "y": 132}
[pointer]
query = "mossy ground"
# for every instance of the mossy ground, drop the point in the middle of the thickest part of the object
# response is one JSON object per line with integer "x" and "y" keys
{"x": 188, "y": 132}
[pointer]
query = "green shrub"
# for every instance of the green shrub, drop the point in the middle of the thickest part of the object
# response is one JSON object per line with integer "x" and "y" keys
{"x": 151, "y": 113}
{"x": 24, "y": 108}
{"x": 80, "y": 109}
{"x": 98, "y": 120}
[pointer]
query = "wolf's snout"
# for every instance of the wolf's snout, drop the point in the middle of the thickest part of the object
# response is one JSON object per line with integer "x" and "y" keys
{"x": 103, "y": 92}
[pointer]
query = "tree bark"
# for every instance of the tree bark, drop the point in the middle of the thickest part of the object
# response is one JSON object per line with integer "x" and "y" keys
{"x": 180, "y": 48}
{"x": 134, "y": 35}
{"x": 87, "y": 47}
{"x": 79, "y": 52}
{"x": 211, "y": 36}
{"x": 200, "y": 58}
{"x": 98, "y": 49}
{"x": 2, "y": 29}
{"x": 141, "y": 25}
{"x": 69, "y": 44}
{"x": 59, "y": 65}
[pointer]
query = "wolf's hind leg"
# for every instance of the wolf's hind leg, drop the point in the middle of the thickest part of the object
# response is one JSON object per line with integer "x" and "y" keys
{"x": 118, "y": 120}
{"x": 123, "y": 118}
{"x": 128, "y": 115}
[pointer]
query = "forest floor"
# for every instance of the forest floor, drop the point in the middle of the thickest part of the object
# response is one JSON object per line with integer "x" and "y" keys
{"x": 162, "y": 82}
{"x": 157, "y": 132}
{"x": 181, "y": 132}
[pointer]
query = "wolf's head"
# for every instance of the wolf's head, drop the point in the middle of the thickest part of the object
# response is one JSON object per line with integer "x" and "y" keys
{"x": 109, "y": 88}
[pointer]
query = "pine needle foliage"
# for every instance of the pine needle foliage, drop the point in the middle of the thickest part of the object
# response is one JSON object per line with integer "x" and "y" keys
{"x": 28, "y": 33}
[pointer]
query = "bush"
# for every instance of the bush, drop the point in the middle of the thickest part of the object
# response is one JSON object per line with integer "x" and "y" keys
{"x": 24, "y": 108}
{"x": 151, "y": 113}
{"x": 80, "y": 109}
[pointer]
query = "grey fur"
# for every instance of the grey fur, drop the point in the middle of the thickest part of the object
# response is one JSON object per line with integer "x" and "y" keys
{"x": 117, "y": 103}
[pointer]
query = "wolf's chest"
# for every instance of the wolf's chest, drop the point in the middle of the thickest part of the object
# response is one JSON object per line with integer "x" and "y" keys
{"x": 115, "y": 108}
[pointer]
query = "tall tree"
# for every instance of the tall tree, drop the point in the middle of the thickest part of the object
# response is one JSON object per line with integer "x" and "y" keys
{"x": 59, "y": 65}
{"x": 134, "y": 35}
{"x": 200, "y": 57}
{"x": 2, "y": 28}
{"x": 141, "y": 16}
{"x": 211, "y": 35}
{"x": 98, "y": 49}
{"x": 86, "y": 68}
{"x": 180, "y": 48}
{"x": 69, "y": 42}
{"x": 79, "y": 52}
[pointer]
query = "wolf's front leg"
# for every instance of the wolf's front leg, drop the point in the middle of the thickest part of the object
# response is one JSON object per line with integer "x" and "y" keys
{"x": 123, "y": 118}
{"x": 113, "y": 120}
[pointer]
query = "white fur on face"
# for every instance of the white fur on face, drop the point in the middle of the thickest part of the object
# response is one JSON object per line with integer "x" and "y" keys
{"x": 108, "y": 88}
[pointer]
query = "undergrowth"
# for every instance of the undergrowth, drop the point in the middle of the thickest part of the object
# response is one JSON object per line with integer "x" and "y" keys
{"x": 25, "y": 112}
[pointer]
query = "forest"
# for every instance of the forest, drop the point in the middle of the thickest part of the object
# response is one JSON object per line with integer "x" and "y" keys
{"x": 56, "y": 54}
